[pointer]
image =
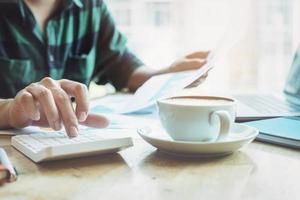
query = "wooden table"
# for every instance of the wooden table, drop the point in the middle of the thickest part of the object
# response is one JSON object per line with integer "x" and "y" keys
{"x": 258, "y": 171}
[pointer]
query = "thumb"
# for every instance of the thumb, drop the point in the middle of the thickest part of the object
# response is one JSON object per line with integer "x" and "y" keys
{"x": 95, "y": 121}
{"x": 198, "y": 54}
{"x": 194, "y": 63}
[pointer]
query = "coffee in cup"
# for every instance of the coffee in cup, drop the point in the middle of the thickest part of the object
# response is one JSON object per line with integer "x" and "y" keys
{"x": 197, "y": 118}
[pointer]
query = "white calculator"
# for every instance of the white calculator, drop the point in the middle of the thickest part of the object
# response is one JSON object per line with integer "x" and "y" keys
{"x": 42, "y": 146}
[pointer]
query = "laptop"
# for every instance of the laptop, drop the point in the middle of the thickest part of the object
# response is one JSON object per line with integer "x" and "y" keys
{"x": 255, "y": 106}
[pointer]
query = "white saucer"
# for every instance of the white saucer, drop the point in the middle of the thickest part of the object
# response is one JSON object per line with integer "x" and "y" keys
{"x": 239, "y": 136}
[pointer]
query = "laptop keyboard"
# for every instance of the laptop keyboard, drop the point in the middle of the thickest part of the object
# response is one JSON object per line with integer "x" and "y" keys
{"x": 267, "y": 104}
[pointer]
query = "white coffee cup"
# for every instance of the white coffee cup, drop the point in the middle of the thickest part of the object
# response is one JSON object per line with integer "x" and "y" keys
{"x": 197, "y": 118}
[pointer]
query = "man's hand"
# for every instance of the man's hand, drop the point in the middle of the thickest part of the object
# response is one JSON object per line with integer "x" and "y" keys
{"x": 192, "y": 61}
{"x": 189, "y": 62}
{"x": 47, "y": 103}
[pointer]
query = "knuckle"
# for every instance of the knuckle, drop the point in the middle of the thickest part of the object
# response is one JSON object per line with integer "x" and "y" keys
{"x": 81, "y": 88}
{"x": 43, "y": 92}
{"x": 61, "y": 98}
{"x": 31, "y": 86}
{"x": 63, "y": 80}
{"x": 47, "y": 80}
{"x": 21, "y": 92}
{"x": 25, "y": 97}
{"x": 55, "y": 90}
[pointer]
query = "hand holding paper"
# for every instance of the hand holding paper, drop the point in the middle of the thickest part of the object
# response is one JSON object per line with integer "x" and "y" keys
{"x": 165, "y": 85}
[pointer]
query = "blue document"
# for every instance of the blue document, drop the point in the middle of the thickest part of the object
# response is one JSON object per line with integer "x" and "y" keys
{"x": 282, "y": 131}
{"x": 282, "y": 127}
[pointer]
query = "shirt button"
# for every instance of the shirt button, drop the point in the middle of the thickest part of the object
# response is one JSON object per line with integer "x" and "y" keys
{"x": 51, "y": 58}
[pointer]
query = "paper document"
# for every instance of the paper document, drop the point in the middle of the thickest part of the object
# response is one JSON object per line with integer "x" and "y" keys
{"x": 166, "y": 85}
{"x": 26, "y": 130}
{"x": 158, "y": 87}
{"x": 280, "y": 127}
{"x": 117, "y": 123}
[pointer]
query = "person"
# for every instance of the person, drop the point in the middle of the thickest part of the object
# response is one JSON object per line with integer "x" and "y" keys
{"x": 50, "y": 50}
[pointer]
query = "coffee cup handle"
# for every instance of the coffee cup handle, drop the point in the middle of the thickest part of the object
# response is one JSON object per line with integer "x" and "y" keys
{"x": 225, "y": 121}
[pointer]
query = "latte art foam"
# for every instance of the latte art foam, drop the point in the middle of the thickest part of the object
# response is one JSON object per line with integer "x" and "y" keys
{"x": 196, "y": 102}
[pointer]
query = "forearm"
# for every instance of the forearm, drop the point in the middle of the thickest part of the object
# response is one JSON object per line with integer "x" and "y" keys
{"x": 4, "y": 113}
{"x": 141, "y": 75}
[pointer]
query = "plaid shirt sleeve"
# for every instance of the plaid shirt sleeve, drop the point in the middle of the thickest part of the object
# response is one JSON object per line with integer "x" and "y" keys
{"x": 116, "y": 62}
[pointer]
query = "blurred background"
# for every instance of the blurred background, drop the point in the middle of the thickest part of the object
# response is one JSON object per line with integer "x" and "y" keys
{"x": 159, "y": 31}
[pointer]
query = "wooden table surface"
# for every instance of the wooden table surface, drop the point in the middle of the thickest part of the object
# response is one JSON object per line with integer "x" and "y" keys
{"x": 257, "y": 171}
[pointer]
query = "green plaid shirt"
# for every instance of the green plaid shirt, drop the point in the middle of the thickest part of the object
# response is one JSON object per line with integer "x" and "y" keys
{"x": 82, "y": 44}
